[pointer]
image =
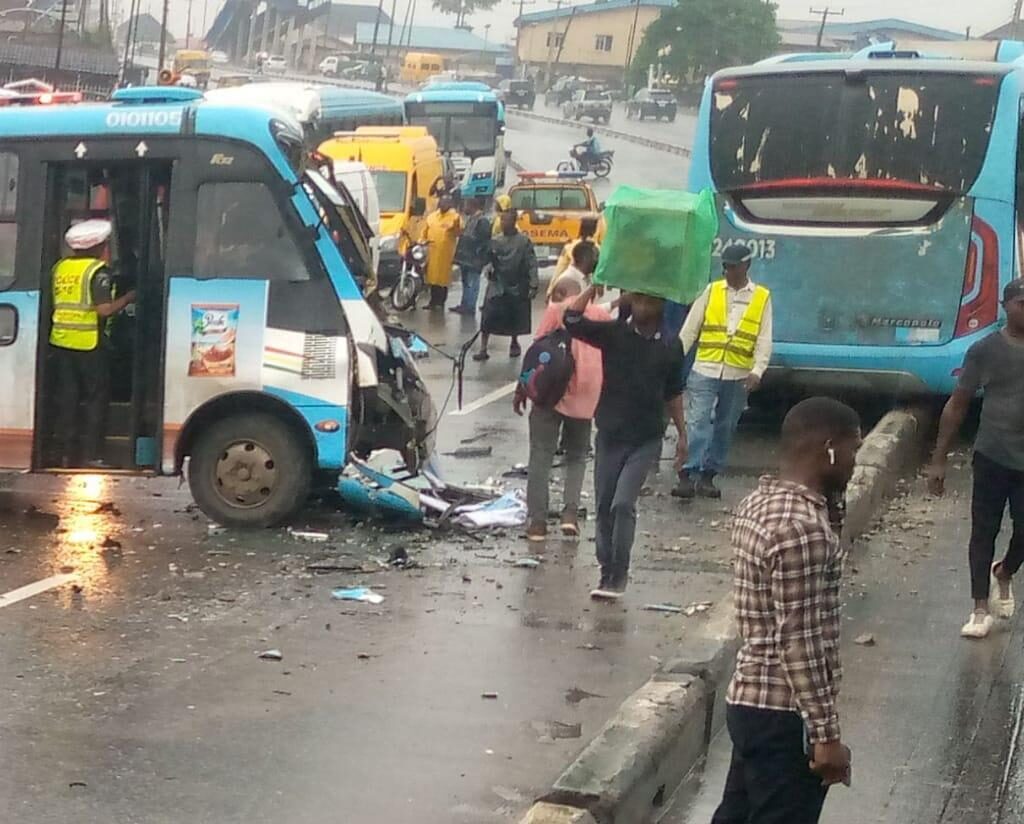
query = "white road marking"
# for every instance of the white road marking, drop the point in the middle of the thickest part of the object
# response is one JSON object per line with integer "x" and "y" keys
{"x": 27, "y": 591}
{"x": 479, "y": 403}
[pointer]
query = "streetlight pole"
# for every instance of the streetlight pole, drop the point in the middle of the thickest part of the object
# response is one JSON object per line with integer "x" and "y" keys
{"x": 163, "y": 36}
{"x": 60, "y": 35}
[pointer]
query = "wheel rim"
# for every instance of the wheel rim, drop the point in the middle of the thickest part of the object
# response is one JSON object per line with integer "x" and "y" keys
{"x": 245, "y": 475}
{"x": 404, "y": 292}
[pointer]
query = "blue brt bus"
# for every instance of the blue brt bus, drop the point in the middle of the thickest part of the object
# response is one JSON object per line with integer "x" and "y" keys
{"x": 468, "y": 122}
{"x": 250, "y": 354}
{"x": 881, "y": 195}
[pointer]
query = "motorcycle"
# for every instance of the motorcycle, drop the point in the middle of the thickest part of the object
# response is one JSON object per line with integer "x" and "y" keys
{"x": 600, "y": 166}
{"x": 411, "y": 279}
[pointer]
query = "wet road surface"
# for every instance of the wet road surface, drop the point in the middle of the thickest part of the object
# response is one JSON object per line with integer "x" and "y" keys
{"x": 934, "y": 721}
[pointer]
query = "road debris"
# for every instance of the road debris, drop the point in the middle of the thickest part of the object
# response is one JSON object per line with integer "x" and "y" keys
{"x": 575, "y": 695}
{"x": 662, "y": 608}
{"x": 270, "y": 655}
{"x": 110, "y": 543}
{"x": 549, "y": 731}
{"x": 471, "y": 452}
{"x": 698, "y": 607}
{"x": 308, "y": 535}
{"x": 865, "y": 640}
{"x": 489, "y": 695}
{"x": 339, "y": 564}
{"x": 526, "y": 563}
{"x": 364, "y": 594}
{"x": 107, "y": 507}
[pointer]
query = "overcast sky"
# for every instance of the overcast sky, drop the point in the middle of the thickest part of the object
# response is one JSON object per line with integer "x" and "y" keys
{"x": 982, "y": 15}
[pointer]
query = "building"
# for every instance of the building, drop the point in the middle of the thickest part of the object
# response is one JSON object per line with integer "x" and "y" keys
{"x": 596, "y": 40}
{"x": 458, "y": 47}
{"x": 801, "y": 35}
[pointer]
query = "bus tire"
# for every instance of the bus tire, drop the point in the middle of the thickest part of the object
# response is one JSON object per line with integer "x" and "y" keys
{"x": 250, "y": 470}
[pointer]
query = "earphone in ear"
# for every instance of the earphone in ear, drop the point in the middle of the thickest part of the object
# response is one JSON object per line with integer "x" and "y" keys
{"x": 831, "y": 456}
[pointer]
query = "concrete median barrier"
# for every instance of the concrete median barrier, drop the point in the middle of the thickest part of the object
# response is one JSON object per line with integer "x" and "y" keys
{"x": 663, "y": 730}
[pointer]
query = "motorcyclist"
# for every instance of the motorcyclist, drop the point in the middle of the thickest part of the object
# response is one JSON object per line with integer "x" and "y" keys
{"x": 588, "y": 151}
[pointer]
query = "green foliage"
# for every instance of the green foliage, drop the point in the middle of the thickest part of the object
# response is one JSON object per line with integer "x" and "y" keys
{"x": 462, "y": 8}
{"x": 696, "y": 38}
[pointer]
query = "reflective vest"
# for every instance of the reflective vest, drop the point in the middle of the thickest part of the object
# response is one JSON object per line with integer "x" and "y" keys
{"x": 75, "y": 325}
{"x": 716, "y": 345}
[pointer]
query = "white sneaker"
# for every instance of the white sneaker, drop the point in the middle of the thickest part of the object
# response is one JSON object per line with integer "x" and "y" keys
{"x": 979, "y": 625}
{"x": 1001, "y": 607}
{"x": 601, "y": 594}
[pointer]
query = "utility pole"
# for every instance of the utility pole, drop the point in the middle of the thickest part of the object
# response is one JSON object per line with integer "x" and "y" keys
{"x": 188, "y": 26}
{"x": 60, "y": 35}
{"x": 412, "y": 19}
{"x": 163, "y": 36}
{"x": 1015, "y": 30}
{"x": 133, "y": 13}
{"x": 391, "y": 30}
{"x": 519, "y": 29}
{"x": 826, "y": 13}
{"x": 629, "y": 46}
{"x": 376, "y": 27}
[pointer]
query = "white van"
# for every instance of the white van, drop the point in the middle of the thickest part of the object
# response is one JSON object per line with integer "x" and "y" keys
{"x": 357, "y": 179}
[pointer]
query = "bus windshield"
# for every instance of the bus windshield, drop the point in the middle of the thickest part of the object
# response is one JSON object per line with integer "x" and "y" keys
{"x": 390, "y": 190}
{"x": 470, "y": 128}
{"x": 927, "y": 129}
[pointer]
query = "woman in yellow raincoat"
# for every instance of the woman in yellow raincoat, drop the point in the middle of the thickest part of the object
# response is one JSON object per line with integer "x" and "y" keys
{"x": 441, "y": 232}
{"x": 502, "y": 203}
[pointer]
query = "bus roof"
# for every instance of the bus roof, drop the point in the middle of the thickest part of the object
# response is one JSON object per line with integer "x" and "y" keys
{"x": 152, "y": 112}
{"x": 309, "y": 100}
{"x": 872, "y": 64}
{"x": 453, "y": 92}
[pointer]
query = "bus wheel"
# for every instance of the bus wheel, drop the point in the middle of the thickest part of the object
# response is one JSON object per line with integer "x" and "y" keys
{"x": 249, "y": 470}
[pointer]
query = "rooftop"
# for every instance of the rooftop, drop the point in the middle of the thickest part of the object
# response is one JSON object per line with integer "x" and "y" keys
{"x": 428, "y": 38}
{"x": 73, "y": 58}
{"x": 590, "y": 8}
{"x": 853, "y": 29}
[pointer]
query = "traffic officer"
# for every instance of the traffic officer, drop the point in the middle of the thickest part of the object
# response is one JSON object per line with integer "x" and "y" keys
{"x": 82, "y": 300}
{"x": 731, "y": 324}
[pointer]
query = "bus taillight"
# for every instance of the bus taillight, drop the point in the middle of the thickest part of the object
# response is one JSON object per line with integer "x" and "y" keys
{"x": 980, "y": 307}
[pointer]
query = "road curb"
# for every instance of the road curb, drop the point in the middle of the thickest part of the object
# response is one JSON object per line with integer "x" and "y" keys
{"x": 663, "y": 730}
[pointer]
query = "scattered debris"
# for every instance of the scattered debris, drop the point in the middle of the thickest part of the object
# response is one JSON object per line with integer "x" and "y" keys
{"x": 365, "y": 656}
{"x": 194, "y": 575}
{"x": 548, "y": 731}
{"x": 517, "y": 471}
{"x": 489, "y": 695}
{"x": 865, "y": 640}
{"x": 270, "y": 655}
{"x": 509, "y": 511}
{"x": 215, "y": 529}
{"x": 471, "y": 452}
{"x": 177, "y": 617}
{"x": 110, "y": 543}
{"x": 700, "y": 606}
{"x": 662, "y": 608}
{"x": 77, "y": 784}
{"x": 281, "y": 692}
{"x": 526, "y": 563}
{"x": 335, "y": 565}
{"x": 590, "y": 647}
{"x": 575, "y": 695}
{"x": 307, "y": 535}
{"x": 108, "y": 507}
{"x": 357, "y": 594}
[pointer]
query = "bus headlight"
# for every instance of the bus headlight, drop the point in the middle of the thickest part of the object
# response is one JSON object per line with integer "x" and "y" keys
{"x": 389, "y": 243}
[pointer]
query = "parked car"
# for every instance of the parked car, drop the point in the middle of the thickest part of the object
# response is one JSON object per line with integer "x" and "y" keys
{"x": 275, "y": 64}
{"x": 656, "y": 103}
{"x": 595, "y": 104}
{"x": 563, "y": 90}
{"x": 517, "y": 93}
{"x": 329, "y": 66}
{"x": 219, "y": 58}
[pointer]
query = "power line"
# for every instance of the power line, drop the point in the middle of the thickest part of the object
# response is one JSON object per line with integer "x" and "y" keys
{"x": 826, "y": 13}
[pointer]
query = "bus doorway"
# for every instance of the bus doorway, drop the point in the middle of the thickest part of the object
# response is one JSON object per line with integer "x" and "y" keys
{"x": 118, "y": 415}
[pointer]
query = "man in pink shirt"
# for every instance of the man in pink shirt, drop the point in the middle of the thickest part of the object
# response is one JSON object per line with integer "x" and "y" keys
{"x": 571, "y": 417}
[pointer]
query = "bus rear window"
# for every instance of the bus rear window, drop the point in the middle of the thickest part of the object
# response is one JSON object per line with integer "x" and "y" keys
{"x": 925, "y": 128}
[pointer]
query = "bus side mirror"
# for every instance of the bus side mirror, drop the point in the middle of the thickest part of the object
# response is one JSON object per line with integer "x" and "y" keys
{"x": 419, "y": 207}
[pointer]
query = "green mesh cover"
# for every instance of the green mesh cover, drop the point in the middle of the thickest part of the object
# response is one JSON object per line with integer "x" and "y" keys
{"x": 658, "y": 242}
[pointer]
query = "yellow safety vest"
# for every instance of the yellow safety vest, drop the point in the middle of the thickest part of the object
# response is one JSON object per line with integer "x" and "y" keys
{"x": 716, "y": 345}
{"x": 75, "y": 325}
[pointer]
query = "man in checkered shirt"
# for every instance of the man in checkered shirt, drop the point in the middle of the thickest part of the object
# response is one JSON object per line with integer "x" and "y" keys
{"x": 781, "y": 704}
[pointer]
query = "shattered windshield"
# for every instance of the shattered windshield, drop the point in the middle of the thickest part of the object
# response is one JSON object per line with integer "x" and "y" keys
{"x": 924, "y": 128}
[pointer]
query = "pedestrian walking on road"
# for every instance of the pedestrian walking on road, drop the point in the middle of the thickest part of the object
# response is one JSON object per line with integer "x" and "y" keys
{"x": 502, "y": 204}
{"x": 643, "y": 383}
{"x": 781, "y": 703}
{"x": 472, "y": 254}
{"x": 578, "y": 273}
{"x": 512, "y": 285}
{"x": 567, "y": 424}
{"x": 588, "y": 228}
{"x": 994, "y": 365}
{"x": 731, "y": 326}
{"x": 440, "y": 232}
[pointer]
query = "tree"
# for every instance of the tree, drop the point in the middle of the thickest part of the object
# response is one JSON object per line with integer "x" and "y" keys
{"x": 696, "y": 38}
{"x": 462, "y": 8}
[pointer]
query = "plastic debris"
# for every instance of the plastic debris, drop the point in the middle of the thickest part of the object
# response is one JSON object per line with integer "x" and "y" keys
{"x": 270, "y": 655}
{"x": 865, "y": 640}
{"x": 215, "y": 529}
{"x": 489, "y": 695}
{"x": 507, "y": 511}
{"x": 662, "y": 608}
{"x": 526, "y": 563}
{"x": 701, "y": 606}
{"x": 306, "y": 535}
{"x": 471, "y": 452}
{"x": 364, "y": 594}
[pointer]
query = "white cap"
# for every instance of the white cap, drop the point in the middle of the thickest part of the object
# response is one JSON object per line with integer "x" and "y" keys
{"x": 87, "y": 234}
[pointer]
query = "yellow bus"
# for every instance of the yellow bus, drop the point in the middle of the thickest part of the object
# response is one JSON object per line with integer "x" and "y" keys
{"x": 418, "y": 66}
{"x": 194, "y": 62}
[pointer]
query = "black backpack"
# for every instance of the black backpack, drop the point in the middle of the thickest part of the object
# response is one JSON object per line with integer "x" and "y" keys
{"x": 547, "y": 369}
